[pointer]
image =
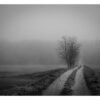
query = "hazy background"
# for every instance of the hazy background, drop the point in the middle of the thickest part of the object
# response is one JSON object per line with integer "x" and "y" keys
{"x": 29, "y": 33}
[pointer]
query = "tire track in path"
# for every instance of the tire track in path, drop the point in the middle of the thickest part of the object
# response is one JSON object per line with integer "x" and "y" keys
{"x": 56, "y": 87}
{"x": 69, "y": 83}
{"x": 80, "y": 86}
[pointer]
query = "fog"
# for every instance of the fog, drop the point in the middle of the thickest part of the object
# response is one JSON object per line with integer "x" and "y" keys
{"x": 44, "y": 53}
{"x": 28, "y": 52}
{"x": 29, "y": 34}
{"x": 49, "y": 22}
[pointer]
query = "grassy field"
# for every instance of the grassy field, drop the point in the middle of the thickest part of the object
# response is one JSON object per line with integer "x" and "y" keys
{"x": 27, "y": 84}
{"x": 97, "y": 72}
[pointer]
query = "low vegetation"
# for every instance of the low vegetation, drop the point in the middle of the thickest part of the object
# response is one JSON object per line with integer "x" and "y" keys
{"x": 30, "y": 84}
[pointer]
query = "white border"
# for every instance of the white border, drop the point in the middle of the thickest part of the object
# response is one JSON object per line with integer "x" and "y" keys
{"x": 49, "y": 98}
{"x": 49, "y": 1}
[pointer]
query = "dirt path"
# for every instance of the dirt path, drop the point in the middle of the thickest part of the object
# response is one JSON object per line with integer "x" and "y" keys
{"x": 67, "y": 90}
{"x": 80, "y": 87}
{"x": 56, "y": 87}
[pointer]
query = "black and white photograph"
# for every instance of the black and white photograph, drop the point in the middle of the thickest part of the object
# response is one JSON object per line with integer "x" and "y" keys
{"x": 49, "y": 50}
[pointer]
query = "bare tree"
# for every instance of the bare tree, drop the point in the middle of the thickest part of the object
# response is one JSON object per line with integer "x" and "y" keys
{"x": 69, "y": 50}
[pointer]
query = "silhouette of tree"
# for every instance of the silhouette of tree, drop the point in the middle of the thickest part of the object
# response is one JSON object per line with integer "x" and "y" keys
{"x": 68, "y": 50}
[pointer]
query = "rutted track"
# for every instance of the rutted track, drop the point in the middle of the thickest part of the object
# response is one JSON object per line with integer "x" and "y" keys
{"x": 69, "y": 83}
{"x": 56, "y": 87}
{"x": 80, "y": 87}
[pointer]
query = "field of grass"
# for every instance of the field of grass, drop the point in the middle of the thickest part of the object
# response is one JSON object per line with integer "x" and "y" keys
{"x": 97, "y": 72}
{"x": 28, "y": 84}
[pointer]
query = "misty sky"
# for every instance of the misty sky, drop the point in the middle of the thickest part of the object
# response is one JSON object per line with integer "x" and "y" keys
{"x": 49, "y": 22}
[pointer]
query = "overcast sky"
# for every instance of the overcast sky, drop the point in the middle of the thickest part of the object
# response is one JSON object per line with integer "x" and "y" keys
{"x": 49, "y": 22}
